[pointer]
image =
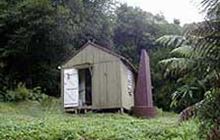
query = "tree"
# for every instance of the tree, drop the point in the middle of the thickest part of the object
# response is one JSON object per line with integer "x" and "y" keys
{"x": 36, "y": 36}
{"x": 91, "y": 20}
{"x": 28, "y": 29}
{"x": 136, "y": 29}
{"x": 176, "y": 21}
{"x": 196, "y": 65}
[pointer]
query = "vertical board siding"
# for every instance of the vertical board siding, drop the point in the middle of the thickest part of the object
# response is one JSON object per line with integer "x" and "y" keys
{"x": 107, "y": 85}
{"x": 92, "y": 55}
{"x": 127, "y": 99}
{"x": 62, "y": 87}
{"x": 106, "y": 78}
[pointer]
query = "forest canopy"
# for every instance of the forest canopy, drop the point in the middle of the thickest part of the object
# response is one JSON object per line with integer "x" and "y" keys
{"x": 38, "y": 35}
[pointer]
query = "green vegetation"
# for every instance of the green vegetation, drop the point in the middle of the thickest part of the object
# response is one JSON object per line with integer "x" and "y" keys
{"x": 34, "y": 120}
{"x": 21, "y": 93}
{"x": 194, "y": 64}
{"x": 36, "y": 36}
{"x": 39, "y": 35}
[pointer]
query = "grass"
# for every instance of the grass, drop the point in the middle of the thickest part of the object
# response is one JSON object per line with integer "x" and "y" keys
{"x": 45, "y": 121}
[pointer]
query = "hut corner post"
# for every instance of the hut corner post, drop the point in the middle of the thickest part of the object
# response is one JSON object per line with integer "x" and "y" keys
{"x": 143, "y": 102}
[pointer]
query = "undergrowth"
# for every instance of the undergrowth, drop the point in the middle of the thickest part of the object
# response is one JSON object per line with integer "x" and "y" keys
{"x": 45, "y": 121}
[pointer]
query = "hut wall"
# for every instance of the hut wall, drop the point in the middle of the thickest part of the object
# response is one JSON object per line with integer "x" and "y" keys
{"x": 107, "y": 85}
{"x": 127, "y": 97}
{"x": 106, "y": 76}
{"x": 90, "y": 55}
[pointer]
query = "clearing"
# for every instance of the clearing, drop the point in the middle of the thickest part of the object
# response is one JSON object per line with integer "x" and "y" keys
{"x": 45, "y": 121}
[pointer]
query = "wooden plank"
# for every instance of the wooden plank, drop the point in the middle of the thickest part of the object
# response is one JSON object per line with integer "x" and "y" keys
{"x": 62, "y": 89}
{"x": 127, "y": 99}
{"x": 90, "y": 54}
{"x": 106, "y": 88}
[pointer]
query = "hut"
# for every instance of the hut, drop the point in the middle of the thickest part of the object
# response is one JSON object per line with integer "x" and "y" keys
{"x": 97, "y": 78}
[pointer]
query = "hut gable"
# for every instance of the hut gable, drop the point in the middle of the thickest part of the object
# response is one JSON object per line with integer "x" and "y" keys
{"x": 91, "y": 53}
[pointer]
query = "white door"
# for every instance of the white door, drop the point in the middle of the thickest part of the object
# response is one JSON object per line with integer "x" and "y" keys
{"x": 71, "y": 88}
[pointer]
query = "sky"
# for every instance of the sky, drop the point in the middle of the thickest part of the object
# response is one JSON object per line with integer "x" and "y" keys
{"x": 187, "y": 11}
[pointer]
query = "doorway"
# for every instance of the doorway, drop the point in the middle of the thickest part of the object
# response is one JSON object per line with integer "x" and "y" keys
{"x": 85, "y": 87}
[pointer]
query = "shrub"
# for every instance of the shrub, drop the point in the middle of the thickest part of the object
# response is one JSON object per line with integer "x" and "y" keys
{"x": 22, "y": 93}
{"x": 209, "y": 114}
{"x": 36, "y": 94}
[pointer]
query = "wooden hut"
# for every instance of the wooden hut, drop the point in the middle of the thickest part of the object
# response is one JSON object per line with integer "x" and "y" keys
{"x": 97, "y": 78}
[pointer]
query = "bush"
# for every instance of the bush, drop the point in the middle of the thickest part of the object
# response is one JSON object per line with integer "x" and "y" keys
{"x": 36, "y": 94}
{"x": 21, "y": 93}
{"x": 209, "y": 114}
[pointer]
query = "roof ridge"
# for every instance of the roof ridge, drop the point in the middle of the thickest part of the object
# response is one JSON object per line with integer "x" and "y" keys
{"x": 103, "y": 49}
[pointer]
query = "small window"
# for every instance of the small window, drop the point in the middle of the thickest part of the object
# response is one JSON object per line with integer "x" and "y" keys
{"x": 130, "y": 82}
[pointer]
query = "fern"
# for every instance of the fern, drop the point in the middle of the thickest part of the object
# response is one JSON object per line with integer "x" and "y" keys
{"x": 183, "y": 51}
{"x": 172, "y": 40}
{"x": 195, "y": 63}
{"x": 177, "y": 66}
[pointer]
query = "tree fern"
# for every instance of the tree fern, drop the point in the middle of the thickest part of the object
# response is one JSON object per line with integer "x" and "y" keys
{"x": 196, "y": 55}
{"x": 183, "y": 51}
{"x": 172, "y": 40}
{"x": 195, "y": 63}
{"x": 177, "y": 66}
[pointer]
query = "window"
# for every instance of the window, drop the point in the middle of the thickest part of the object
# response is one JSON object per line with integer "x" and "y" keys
{"x": 130, "y": 82}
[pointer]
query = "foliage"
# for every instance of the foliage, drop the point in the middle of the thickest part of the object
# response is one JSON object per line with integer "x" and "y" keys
{"x": 208, "y": 114}
{"x": 29, "y": 42}
{"x": 37, "y": 35}
{"x": 196, "y": 65}
{"x": 30, "y": 120}
{"x": 162, "y": 86}
{"x": 191, "y": 66}
{"x": 21, "y": 93}
{"x": 136, "y": 29}
{"x": 211, "y": 8}
{"x": 90, "y": 20}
